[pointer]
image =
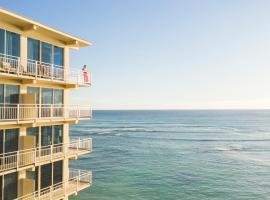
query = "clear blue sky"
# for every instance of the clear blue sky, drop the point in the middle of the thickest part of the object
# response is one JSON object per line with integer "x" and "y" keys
{"x": 162, "y": 54}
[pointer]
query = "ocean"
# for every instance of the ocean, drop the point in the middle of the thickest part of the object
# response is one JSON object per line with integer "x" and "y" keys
{"x": 175, "y": 155}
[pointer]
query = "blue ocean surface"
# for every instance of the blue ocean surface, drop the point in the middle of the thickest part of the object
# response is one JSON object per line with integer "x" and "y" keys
{"x": 173, "y": 155}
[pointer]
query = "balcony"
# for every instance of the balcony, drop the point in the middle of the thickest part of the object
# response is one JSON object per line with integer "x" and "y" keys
{"x": 27, "y": 113}
{"x": 12, "y": 67}
{"x": 77, "y": 181}
{"x": 41, "y": 155}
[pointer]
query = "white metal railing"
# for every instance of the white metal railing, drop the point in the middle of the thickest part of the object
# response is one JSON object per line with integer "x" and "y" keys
{"x": 10, "y": 64}
{"x": 23, "y": 112}
{"x": 37, "y": 69}
{"x": 79, "y": 146}
{"x": 78, "y": 180}
{"x": 22, "y": 158}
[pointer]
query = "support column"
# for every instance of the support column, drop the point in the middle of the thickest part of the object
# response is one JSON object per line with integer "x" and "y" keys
{"x": 23, "y": 51}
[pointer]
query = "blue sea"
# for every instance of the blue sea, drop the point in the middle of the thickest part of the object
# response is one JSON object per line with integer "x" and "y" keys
{"x": 174, "y": 155}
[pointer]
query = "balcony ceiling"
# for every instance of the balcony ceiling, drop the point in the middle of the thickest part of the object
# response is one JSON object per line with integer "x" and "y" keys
{"x": 26, "y": 24}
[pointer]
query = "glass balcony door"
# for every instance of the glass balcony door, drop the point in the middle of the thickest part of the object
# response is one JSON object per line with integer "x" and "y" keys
{"x": 9, "y": 140}
{"x": 33, "y": 56}
{"x": 10, "y": 186}
{"x": 46, "y": 101}
{"x": 50, "y": 59}
{"x": 51, "y": 174}
{"x": 46, "y": 175}
{"x": 9, "y": 51}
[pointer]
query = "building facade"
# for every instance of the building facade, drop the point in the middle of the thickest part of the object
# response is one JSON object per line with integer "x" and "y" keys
{"x": 35, "y": 114}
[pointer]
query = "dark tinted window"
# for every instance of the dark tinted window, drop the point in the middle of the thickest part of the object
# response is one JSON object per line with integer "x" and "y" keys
{"x": 58, "y": 134}
{"x": 46, "y": 52}
{"x": 12, "y": 44}
{"x": 11, "y": 140}
{"x": 58, "y": 56}
{"x": 46, "y": 135}
{"x": 46, "y": 175}
{"x": 57, "y": 172}
{"x": 33, "y": 49}
{"x": 2, "y": 41}
{"x": 12, "y": 94}
{"x": 10, "y": 186}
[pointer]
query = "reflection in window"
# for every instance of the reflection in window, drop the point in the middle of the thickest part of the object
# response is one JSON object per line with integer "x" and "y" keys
{"x": 2, "y": 41}
{"x": 11, "y": 140}
{"x": 1, "y": 94}
{"x": 46, "y": 175}
{"x": 12, "y": 44}
{"x": 10, "y": 186}
{"x": 46, "y": 52}
{"x": 46, "y": 135}
{"x": 12, "y": 94}
{"x": 58, "y": 96}
{"x": 58, "y": 56}
{"x": 36, "y": 178}
{"x": 58, "y": 134}
{"x": 33, "y": 49}
{"x": 57, "y": 172}
{"x": 47, "y": 96}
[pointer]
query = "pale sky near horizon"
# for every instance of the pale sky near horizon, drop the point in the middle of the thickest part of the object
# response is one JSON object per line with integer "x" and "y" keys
{"x": 165, "y": 54}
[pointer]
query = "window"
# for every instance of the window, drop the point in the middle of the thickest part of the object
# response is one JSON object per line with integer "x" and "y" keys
{"x": 46, "y": 135}
{"x": 1, "y": 141}
{"x": 57, "y": 172}
{"x": 36, "y": 178}
{"x": 12, "y": 94}
{"x": 11, "y": 140}
{"x": 58, "y": 134}
{"x": 33, "y": 49}
{"x": 58, "y": 56}
{"x": 47, "y": 96}
{"x": 46, "y": 52}
{"x": 2, "y": 41}
{"x": 9, "y": 43}
{"x": 12, "y": 44}
{"x": 10, "y": 186}
{"x": 46, "y": 175}
{"x": 1, "y": 94}
{"x": 58, "y": 96}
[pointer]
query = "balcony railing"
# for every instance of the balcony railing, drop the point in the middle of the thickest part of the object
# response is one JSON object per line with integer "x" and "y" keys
{"x": 36, "y": 69}
{"x": 24, "y": 112}
{"x": 36, "y": 156}
{"x": 77, "y": 181}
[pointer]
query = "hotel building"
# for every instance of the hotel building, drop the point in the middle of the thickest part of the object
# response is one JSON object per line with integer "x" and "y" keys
{"x": 35, "y": 114}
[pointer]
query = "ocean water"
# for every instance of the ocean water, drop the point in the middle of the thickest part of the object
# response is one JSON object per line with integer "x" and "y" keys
{"x": 172, "y": 155}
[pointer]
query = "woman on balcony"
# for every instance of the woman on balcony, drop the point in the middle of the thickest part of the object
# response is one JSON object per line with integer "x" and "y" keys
{"x": 86, "y": 77}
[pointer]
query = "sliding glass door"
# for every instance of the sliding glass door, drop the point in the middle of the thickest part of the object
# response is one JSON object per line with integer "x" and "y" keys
{"x": 46, "y": 175}
{"x": 46, "y": 101}
{"x": 9, "y": 51}
{"x": 2, "y": 42}
{"x": 12, "y": 44}
{"x": 46, "y": 135}
{"x": 11, "y": 140}
{"x": 10, "y": 186}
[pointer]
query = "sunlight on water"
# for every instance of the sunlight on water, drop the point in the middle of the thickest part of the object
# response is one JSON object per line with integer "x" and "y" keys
{"x": 148, "y": 155}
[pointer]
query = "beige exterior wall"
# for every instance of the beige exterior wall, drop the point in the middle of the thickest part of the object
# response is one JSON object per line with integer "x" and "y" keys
{"x": 25, "y": 186}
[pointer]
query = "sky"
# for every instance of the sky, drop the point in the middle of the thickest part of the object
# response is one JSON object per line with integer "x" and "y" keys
{"x": 165, "y": 54}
